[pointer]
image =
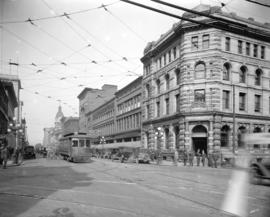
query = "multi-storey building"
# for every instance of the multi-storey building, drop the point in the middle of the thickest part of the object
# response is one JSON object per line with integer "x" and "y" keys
{"x": 119, "y": 119}
{"x": 128, "y": 112}
{"x": 70, "y": 125}
{"x": 16, "y": 124}
{"x": 204, "y": 86}
{"x": 8, "y": 103}
{"x": 89, "y": 99}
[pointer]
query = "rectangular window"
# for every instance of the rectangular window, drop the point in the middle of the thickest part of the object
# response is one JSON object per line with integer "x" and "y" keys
{"x": 247, "y": 48}
{"x": 262, "y": 52}
{"x": 160, "y": 64}
{"x": 177, "y": 103}
{"x": 240, "y": 47}
{"x": 194, "y": 43}
{"x": 170, "y": 57}
{"x": 167, "y": 106}
{"x": 205, "y": 43}
{"x": 226, "y": 99}
{"x": 255, "y": 50}
{"x": 158, "y": 108}
{"x": 174, "y": 53}
{"x": 199, "y": 96}
{"x": 228, "y": 44}
{"x": 242, "y": 101}
{"x": 164, "y": 60}
{"x": 257, "y": 103}
{"x": 147, "y": 112}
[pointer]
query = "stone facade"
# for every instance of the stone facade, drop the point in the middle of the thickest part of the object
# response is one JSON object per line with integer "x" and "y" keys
{"x": 201, "y": 84}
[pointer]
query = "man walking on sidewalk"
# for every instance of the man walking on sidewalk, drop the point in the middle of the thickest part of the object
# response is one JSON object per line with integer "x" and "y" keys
{"x": 4, "y": 154}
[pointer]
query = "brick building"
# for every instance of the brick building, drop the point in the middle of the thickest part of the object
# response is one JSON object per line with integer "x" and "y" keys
{"x": 119, "y": 119}
{"x": 89, "y": 99}
{"x": 203, "y": 86}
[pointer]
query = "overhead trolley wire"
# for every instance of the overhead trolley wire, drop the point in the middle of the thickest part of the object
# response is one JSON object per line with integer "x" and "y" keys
{"x": 57, "y": 16}
{"x": 240, "y": 29}
{"x": 123, "y": 23}
{"x": 83, "y": 38}
{"x": 259, "y": 3}
{"x": 198, "y": 13}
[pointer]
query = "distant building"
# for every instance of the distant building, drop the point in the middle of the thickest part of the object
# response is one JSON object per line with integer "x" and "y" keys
{"x": 53, "y": 134}
{"x": 89, "y": 99}
{"x": 119, "y": 119}
{"x": 70, "y": 125}
{"x": 204, "y": 86}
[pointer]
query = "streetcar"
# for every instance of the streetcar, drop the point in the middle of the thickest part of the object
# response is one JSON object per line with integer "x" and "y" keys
{"x": 75, "y": 147}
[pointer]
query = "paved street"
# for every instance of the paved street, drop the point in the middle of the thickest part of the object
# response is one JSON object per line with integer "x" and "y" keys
{"x": 54, "y": 188}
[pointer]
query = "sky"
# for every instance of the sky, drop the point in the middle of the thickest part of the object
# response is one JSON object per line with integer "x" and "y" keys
{"x": 58, "y": 56}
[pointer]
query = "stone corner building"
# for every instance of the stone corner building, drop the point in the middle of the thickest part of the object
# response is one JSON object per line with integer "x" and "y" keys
{"x": 201, "y": 83}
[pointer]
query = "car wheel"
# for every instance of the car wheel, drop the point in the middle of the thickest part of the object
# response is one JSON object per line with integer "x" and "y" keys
{"x": 254, "y": 175}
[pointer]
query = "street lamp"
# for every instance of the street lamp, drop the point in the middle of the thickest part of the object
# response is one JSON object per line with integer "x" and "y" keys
{"x": 102, "y": 142}
{"x": 159, "y": 137}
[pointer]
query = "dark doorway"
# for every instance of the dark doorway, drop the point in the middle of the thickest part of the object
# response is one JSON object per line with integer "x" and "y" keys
{"x": 200, "y": 143}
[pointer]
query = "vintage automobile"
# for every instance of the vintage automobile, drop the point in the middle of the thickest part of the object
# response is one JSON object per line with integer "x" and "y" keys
{"x": 144, "y": 158}
{"x": 29, "y": 152}
{"x": 260, "y": 171}
{"x": 259, "y": 149}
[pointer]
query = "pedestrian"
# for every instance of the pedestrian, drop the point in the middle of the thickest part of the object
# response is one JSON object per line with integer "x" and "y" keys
{"x": 185, "y": 157}
{"x": 215, "y": 157}
{"x": 191, "y": 158}
{"x": 210, "y": 159}
{"x": 203, "y": 158}
{"x": 176, "y": 156}
{"x": 4, "y": 154}
{"x": 198, "y": 157}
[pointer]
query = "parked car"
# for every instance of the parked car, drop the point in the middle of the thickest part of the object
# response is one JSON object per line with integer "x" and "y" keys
{"x": 116, "y": 156}
{"x": 260, "y": 171}
{"x": 144, "y": 158}
{"x": 29, "y": 152}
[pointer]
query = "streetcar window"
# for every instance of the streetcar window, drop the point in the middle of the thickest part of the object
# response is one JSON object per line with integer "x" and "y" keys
{"x": 87, "y": 143}
{"x": 81, "y": 143}
{"x": 74, "y": 143}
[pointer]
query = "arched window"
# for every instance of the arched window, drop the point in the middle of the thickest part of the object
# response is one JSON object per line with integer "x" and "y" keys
{"x": 226, "y": 71}
{"x": 258, "y": 77}
{"x": 224, "y": 136}
{"x": 167, "y": 80}
{"x": 147, "y": 90}
{"x": 257, "y": 130}
{"x": 177, "y": 75}
{"x": 242, "y": 74}
{"x": 200, "y": 70}
{"x": 241, "y": 131}
{"x": 158, "y": 86}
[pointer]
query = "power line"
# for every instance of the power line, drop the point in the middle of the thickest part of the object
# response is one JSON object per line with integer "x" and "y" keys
{"x": 199, "y": 13}
{"x": 259, "y": 3}
{"x": 76, "y": 32}
{"x": 123, "y": 23}
{"x": 263, "y": 35}
{"x": 57, "y": 16}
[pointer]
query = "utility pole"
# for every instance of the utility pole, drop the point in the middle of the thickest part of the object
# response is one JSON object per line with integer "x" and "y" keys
{"x": 233, "y": 142}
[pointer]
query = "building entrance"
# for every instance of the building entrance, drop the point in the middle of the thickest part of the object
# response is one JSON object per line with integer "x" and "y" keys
{"x": 200, "y": 144}
{"x": 199, "y": 139}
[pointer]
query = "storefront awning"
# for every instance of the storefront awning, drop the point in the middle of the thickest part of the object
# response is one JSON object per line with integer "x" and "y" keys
{"x": 134, "y": 144}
